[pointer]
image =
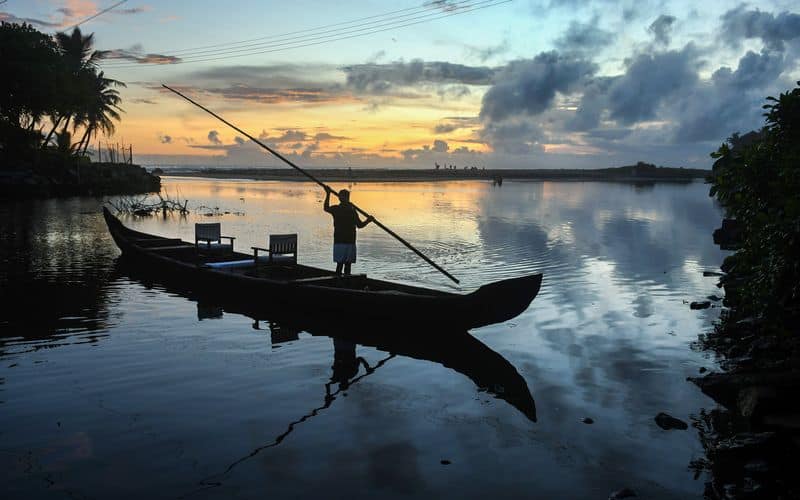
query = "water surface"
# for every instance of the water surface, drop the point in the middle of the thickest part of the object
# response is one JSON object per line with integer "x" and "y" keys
{"x": 114, "y": 386}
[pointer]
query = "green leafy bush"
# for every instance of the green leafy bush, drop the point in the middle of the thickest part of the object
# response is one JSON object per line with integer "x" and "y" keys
{"x": 756, "y": 179}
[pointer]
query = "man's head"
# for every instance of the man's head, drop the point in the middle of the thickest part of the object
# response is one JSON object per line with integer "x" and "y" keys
{"x": 344, "y": 195}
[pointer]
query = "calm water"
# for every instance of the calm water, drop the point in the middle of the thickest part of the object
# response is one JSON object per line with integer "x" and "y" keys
{"x": 111, "y": 387}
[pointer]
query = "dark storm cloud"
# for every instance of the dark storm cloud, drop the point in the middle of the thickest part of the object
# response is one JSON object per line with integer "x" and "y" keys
{"x": 380, "y": 78}
{"x": 213, "y": 137}
{"x": 581, "y": 37}
{"x": 649, "y": 80}
{"x": 528, "y": 86}
{"x": 592, "y": 104}
{"x": 661, "y": 28}
{"x": 739, "y": 24}
{"x": 730, "y": 101}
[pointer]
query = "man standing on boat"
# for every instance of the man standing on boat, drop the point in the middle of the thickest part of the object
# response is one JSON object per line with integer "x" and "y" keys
{"x": 345, "y": 222}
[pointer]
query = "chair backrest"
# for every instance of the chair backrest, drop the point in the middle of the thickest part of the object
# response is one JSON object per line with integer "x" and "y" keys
{"x": 283, "y": 244}
{"x": 207, "y": 231}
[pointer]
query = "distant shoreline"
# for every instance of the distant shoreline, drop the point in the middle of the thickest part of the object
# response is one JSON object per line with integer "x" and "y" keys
{"x": 632, "y": 174}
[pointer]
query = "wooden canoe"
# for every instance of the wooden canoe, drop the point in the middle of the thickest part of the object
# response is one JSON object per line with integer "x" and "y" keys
{"x": 289, "y": 289}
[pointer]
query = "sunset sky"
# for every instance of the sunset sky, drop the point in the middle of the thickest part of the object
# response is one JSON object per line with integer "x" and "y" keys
{"x": 522, "y": 83}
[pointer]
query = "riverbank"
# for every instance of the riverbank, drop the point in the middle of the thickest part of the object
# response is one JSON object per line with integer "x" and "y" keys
{"x": 92, "y": 179}
{"x": 635, "y": 173}
{"x": 753, "y": 438}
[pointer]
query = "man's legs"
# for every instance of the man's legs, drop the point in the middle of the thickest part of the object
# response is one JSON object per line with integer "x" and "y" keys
{"x": 347, "y": 268}
{"x": 339, "y": 268}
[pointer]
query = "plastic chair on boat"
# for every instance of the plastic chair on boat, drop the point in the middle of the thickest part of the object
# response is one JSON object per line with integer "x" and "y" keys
{"x": 282, "y": 248}
{"x": 209, "y": 234}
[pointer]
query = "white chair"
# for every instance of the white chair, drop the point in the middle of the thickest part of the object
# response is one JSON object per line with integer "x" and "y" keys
{"x": 282, "y": 248}
{"x": 209, "y": 233}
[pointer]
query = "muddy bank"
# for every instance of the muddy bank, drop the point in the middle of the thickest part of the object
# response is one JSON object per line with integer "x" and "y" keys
{"x": 751, "y": 441}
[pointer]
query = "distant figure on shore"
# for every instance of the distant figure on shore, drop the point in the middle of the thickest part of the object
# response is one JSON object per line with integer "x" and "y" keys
{"x": 345, "y": 222}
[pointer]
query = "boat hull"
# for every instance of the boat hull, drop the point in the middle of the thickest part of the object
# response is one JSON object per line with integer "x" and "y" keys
{"x": 377, "y": 302}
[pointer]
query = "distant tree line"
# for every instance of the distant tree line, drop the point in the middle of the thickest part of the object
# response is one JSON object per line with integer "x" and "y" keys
{"x": 756, "y": 178}
{"x": 53, "y": 97}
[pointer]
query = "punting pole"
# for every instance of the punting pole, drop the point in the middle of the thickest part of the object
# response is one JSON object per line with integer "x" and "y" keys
{"x": 325, "y": 186}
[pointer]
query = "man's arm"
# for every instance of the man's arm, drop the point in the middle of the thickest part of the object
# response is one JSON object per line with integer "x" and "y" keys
{"x": 327, "y": 205}
{"x": 360, "y": 223}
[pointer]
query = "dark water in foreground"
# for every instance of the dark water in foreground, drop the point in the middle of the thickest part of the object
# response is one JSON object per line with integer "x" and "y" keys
{"x": 111, "y": 387}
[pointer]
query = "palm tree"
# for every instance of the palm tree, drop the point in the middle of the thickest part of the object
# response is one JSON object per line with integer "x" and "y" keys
{"x": 78, "y": 56}
{"x": 101, "y": 109}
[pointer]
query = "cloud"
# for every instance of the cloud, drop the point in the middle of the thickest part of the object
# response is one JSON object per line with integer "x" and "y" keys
{"x": 381, "y": 78}
{"x": 483, "y": 54}
{"x": 213, "y": 137}
{"x": 275, "y": 95}
{"x": 592, "y": 104}
{"x": 649, "y": 80}
{"x": 325, "y": 136}
{"x": 238, "y": 140}
{"x": 164, "y": 139}
{"x": 661, "y": 28}
{"x": 453, "y": 123}
{"x": 739, "y": 24}
{"x": 730, "y": 101}
{"x": 73, "y": 12}
{"x": 440, "y": 146}
{"x": 290, "y": 135}
{"x": 584, "y": 37}
{"x": 528, "y": 86}
{"x": 516, "y": 137}
{"x": 136, "y": 54}
{"x": 7, "y": 17}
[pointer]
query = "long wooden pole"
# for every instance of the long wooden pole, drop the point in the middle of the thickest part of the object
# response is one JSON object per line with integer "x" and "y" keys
{"x": 325, "y": 186}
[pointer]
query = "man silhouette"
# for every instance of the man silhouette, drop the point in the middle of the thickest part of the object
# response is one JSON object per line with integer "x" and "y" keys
{"x": 345, "y": 222}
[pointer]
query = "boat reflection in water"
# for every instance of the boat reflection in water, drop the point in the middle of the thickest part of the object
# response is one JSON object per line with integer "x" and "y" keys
{"x": 457, "y": 350}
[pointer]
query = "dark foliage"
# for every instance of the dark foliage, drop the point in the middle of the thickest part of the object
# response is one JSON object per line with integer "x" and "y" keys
{"x": 51, "y": 92}
{"x": 756, "y": 178}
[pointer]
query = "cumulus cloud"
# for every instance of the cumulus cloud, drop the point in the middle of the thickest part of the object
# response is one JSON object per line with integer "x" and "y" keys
{"x": 581, "y": 37}
{"x": 164, "y": 139}
{"x": 730, "y": 101}
{"x": 528, "y": 86}
{"x": 213, "y": 137}
{"x": 661, "y": 28}
{"x": 240, "y": 141}
{"x": 740, "y": 23}
{"x": 649, "y": 80}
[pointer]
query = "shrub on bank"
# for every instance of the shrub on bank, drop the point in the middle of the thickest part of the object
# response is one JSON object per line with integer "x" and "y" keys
{"x": 756, "y": 178}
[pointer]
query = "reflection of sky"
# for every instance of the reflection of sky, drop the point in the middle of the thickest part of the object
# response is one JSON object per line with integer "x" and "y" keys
{"x": 607, "y": 338}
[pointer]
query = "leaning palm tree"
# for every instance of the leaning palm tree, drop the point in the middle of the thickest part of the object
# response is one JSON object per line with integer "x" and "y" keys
{"x": 78, "y": 56}
{"x": 101, "y": 110}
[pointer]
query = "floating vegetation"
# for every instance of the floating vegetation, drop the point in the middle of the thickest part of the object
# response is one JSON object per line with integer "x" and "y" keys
{"x": 216, "y": 211}
{"x": 147, "y": 206}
